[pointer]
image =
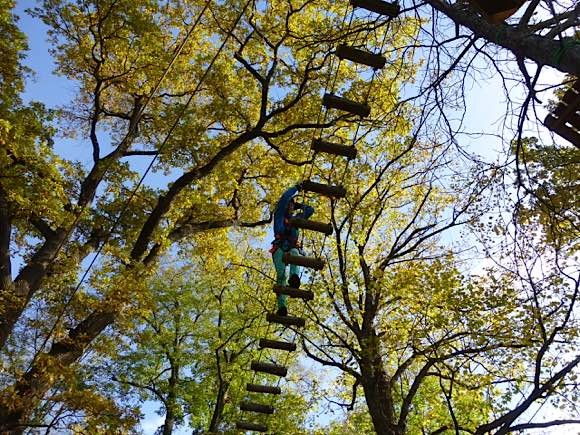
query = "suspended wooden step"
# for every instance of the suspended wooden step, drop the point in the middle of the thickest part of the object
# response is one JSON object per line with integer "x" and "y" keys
{"x": 272, "y": 369}
{"x": 324, "y": 189}
{"x": 307, "y": 224}
{"x": 286, "y": 320}
{"x": 299, "y": 260}
{"x": 306, "y": 295}
{"x": 378, "y": 6}
{"x": 331, "y": 101}
{"x": 244, "y": 425}
{"x": 375, "y": 61}
{"x": 257, "y": 407}
{"x": 497, "y": 11}
{"x": 563, "y": 130}
{"x": 255, "y": 388}
{"x": 322, "y": 146}
{"x": 565, "y": 120}
{"x": 275, "y": 344}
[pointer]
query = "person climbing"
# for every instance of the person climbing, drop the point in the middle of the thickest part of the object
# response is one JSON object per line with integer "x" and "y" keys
{"x": 286, "y": 240}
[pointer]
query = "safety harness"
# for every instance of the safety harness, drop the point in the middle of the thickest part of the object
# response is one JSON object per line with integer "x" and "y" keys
{"x": 285, "y": 241}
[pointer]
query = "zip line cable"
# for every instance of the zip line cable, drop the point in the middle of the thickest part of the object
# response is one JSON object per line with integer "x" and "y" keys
{"x": 132, "y": 126}
{"x": 134, "y": 191}
{"x": 132, "y": 130}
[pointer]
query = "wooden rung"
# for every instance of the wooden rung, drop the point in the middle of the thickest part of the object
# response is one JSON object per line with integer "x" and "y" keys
{"x": 256, "y": 407}
{"x": 569, "y": 134}
{"x": 561, "y": 129}
{"x": 307, "y": 224}
{"x": 375, "y": 61}
{"x": 561, "y": 110}
{"x": 324, "y": 189}
{"x": 378, "y": 6}
{"x": 322, "y": 146}
{"x": 498, "y": 11}
{"x": 299, "y": 260}
{"x": 245, "y": 425}
{"x": 551, "y": 121}
{"x": 571, "y": 97}
{"x": 272, "y": 369}
{"x": 306, "y": 295}
{"x": 275, "y": 344}
{"x": 574, "y": 120}
{"x": 564, "y": 109}
{"x": 496, "y": 6}
{"x": 255, "y": 388}
{"x": 332, "y": 101}
{"x": 286, "y": 320}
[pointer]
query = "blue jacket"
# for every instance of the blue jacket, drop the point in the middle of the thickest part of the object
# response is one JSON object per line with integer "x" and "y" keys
{"x": 286, "y": 235}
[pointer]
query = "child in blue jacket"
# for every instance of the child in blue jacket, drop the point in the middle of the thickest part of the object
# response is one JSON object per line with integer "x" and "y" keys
{"x": 286, "y": 240}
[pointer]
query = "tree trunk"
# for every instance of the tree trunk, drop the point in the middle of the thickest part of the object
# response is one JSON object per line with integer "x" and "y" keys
{"x": 31, "y": 276}
{"x": 44, "y": 373}
{"x": 563, "y": 55}
{"x": 379, "y": 401}
{"x": 169, "y": 422}
{"x": 35, "y": 383}
{"x": 25, "y": 285}
{"x": 5, "y": 231}
{"x": 377, "y": 388}
{"x": 218, "y": 410}
{"x": 171, "y": 400}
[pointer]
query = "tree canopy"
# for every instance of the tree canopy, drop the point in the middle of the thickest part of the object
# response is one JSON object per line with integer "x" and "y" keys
{"x": 140, "y": 273}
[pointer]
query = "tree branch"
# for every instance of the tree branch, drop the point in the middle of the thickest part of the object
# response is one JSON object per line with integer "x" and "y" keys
{"x": 544, "y": 424}
{"x": 504, "y": 422}
{"x": 140, "y": 153}
{"x": 537, "y": 48}
{"x": 5, "y": 237}
{"x": 165, "y": 201}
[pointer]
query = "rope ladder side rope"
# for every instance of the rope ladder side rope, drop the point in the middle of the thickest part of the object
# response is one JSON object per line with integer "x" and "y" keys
{"x": 358, "y": 56}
